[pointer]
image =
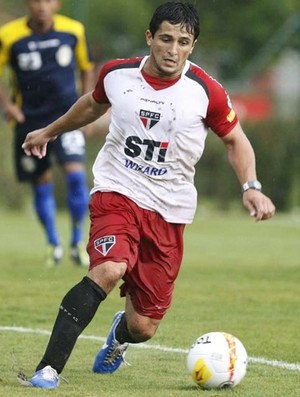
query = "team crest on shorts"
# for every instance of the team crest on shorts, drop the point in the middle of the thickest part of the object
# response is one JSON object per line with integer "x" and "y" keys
{"x": 104, "y": 244}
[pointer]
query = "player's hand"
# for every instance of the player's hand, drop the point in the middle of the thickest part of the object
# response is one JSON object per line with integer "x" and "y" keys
{"x": 258, "y": 205}
{"x": 35, "y": 143}
{"x": 13, "y": 112}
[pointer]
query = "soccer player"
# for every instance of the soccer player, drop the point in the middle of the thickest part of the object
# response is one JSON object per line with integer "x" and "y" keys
{"x": 162, "y": 107}
{"x": 44, "y": 51}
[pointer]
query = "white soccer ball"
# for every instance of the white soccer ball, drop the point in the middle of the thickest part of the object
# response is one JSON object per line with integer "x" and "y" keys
{"x": 217, "y": 360}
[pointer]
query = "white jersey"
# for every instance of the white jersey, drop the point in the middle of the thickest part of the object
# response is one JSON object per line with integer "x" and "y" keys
{"x": 157, "y": 135}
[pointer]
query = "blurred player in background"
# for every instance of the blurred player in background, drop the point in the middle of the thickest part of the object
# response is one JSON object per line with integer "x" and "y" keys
{"x": 162, "y": 107}
{"x": 44, "y": 52}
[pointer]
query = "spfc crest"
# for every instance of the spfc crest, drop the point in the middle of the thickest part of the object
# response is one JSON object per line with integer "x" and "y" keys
{"x": 104, "y": 244}
{"x": 148, "y": 118}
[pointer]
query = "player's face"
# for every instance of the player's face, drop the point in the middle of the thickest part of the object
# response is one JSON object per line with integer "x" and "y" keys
{"x": 169, "y": 49}
{"x": 42, "y": 11}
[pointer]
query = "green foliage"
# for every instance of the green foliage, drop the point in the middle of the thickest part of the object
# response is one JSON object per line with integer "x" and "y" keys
{"x": 237, "y": 30}
{"x": 115, "y": 28}
{"x": 237, "y": 276}
{"x": 276, "y": 144}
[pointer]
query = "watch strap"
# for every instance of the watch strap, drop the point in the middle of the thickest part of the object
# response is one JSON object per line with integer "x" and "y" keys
{"x": 256, "y": 185}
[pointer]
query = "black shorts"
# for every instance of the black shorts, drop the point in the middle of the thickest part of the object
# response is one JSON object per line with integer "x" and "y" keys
{"x": 69, "y": 147}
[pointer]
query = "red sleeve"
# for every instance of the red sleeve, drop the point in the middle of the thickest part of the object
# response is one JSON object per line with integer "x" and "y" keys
{"x": 221, "y": 117}
{"x": 99, "y": 92}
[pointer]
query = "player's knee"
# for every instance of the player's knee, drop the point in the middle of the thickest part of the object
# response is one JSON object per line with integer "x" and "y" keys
{"x": 114, "y": 271}
{"x": 141, "y": 331}
{"x": 108, "y": 274}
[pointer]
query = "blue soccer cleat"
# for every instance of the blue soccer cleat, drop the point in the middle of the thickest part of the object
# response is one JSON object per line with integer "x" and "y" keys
{"x": 45, "y": 378}
{"x": 112, "y": 354}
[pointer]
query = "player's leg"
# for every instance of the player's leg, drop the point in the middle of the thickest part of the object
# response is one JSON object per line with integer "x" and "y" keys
{"x": 76, "y": 311}
{"x": 77, "y": 200}
{"x": 70, "y": 151}
{"x": 127, "y": 327}
{"x": 134, "y": 327}
{"x": 148, "y": 288}
{"x": 80, "y": 304}
{"x": 45, "y": 207}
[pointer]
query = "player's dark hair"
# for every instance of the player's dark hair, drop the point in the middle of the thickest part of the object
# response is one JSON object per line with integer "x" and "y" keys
{"x": 176, "y": 13}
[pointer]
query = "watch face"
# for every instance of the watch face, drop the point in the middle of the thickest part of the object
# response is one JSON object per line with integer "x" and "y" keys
{"x": 257, "y": 185}
{"x": 251, "y": 185}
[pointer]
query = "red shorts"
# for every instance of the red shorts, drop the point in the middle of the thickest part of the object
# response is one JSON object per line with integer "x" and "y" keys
{"x": 121, "y": 231}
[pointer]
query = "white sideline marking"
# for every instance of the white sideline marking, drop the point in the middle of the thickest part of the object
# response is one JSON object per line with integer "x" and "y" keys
{"x": 259, "y": 360}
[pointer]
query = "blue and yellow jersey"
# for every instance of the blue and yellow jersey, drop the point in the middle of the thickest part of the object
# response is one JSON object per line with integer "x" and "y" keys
{"x": 44, "y": 65}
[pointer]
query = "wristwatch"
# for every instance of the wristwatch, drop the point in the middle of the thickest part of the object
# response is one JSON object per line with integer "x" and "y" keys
{"x": 256, "y": 185}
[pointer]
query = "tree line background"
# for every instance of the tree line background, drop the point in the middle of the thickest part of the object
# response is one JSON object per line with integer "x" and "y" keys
{"x": 232, "y": 36}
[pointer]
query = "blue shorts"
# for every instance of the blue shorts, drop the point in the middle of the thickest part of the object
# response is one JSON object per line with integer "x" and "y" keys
{"x": 67, "y": 148}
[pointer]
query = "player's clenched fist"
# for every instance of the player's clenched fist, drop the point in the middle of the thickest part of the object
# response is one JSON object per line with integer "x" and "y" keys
{"x": 36, "y": 143}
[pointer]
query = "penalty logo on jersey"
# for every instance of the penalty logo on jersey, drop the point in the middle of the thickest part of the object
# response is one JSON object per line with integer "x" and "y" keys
{"x": 148, "y": 118}
{"x": 104, "y": 244}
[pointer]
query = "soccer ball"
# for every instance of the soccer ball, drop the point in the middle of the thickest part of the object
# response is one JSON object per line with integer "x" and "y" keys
{"x": 217, "y": 360}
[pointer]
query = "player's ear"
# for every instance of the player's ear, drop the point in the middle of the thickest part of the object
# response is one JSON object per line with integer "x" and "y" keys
{"x": 192, "y": 49}
{"x": 148, "y": 37}
{"x": 57, "y": 5}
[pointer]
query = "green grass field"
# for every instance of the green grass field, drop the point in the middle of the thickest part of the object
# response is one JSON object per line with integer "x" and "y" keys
{"x": 237, "y": 276}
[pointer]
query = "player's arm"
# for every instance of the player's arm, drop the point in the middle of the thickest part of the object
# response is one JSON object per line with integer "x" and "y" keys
{"x": 87, "y": 80}
{"x": 9, "y": 109}
{"x": 85, "y": 63}
{"x": 86, "y": 68}
{"x": 87, "y": 85}
{"x": 101, "y": 125}
{"x": 84, "y": 111}
{"x": 242, "y": 158}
